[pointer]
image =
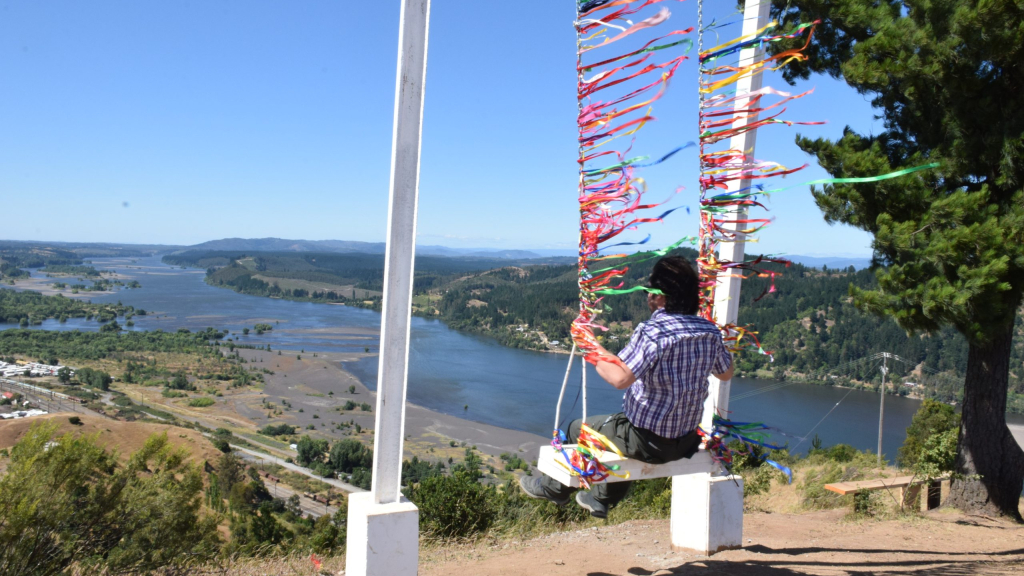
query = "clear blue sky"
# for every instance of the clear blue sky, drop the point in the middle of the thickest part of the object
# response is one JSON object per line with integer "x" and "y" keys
{"x": 181, "y": 122}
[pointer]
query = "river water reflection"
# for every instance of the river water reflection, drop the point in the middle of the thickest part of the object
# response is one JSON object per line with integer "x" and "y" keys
{"x": 474, "y": 377}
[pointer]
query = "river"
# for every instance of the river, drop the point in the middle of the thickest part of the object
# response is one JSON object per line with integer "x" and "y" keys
{"x": 474, "y": 377}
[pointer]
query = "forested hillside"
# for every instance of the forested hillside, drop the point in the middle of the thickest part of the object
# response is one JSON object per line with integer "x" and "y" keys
{"x": 15, "y": 257}
{"x": 807, "y": 322}
{"x": 267, "y": 273}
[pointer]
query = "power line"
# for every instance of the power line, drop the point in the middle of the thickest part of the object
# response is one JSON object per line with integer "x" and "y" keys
{"x": 822, "y": 419}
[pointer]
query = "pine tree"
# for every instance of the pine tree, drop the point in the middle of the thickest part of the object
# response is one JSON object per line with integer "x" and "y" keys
{"x": 945, "y": 76}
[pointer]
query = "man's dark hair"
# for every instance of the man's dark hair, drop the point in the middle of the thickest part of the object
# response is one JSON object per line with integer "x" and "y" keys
{"x": 677, "y": 279}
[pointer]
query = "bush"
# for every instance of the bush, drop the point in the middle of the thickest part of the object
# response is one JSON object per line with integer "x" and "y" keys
{"x": 931, "y": 420}
{"x": 278, "y": 430}
{"x": 840, "y": 463}
{"x": 73, "y": 505}
{"x": 94, "y": 378}
{"x": 363, "y": 478}
{"x": 841, "y": 453}
{"x": 201, "y": 402}
{"x": 168, "y": 393}
{"x": 938, "y": 455}
{"x": 648, "y": 499}
{"x": 453, "y": 506}
{"x": 347, "y": 455}
{"x": 75, "y": 421}
{"x": 180, "y": 382}
{"x": 311, "y": 450}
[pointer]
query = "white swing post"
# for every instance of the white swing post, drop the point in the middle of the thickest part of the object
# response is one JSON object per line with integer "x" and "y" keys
{"x": 707, "y": 508}
{"x": 383, "y": 527}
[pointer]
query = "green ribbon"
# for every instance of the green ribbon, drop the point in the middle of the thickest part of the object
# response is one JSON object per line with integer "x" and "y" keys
{"x": 629, "y": 290}
{"x": 651, "y": 254}
{"x": 895, "y": 174}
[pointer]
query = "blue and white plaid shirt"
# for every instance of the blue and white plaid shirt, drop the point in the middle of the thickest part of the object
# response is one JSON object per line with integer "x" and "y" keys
{"x": 671, "y": 356}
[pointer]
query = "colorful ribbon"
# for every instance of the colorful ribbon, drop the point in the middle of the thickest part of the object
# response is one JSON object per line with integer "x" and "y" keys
{"x": 584, "y": 460}
{"x": 611, "y": 193}
{"x": 748, "y": 433}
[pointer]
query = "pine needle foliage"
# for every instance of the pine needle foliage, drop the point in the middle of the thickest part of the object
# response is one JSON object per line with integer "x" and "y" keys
{"x": 945, "y": 77}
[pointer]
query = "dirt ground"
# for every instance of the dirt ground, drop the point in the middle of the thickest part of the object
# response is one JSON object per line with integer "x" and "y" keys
{"x": 941, "y": 543}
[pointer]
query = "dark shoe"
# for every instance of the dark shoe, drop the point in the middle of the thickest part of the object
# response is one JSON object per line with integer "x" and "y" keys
{"x": 587, "y": 501}
{"x": 532, "y": 487}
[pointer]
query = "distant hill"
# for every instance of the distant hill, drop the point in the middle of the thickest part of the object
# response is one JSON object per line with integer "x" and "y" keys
{"x": 349, "y": 247}
{"x": 833, "y": 262}
{"x": 286, "y": 245}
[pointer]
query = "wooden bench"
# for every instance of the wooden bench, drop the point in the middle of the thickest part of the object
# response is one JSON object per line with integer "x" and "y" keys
{"x": 909, "y": 489}
{"x": 553, "y": 464}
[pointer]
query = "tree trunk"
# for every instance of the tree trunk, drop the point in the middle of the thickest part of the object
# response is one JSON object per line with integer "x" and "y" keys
{"x": 988, "y": 458}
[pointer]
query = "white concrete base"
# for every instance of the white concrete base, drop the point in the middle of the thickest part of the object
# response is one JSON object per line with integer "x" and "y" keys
{"x": 383, "y": 539}
{"x": 707, "y": 513}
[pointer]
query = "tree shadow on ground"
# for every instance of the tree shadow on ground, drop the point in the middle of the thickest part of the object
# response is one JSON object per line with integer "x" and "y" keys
{"x": 943, "y": 564}
{"x": 759, "y": 549}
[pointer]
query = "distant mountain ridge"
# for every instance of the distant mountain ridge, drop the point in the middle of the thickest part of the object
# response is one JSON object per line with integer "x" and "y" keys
{"x": 833, "y": 262}
{"x": 93, "y": 249}
{"x": 349, "y": 246}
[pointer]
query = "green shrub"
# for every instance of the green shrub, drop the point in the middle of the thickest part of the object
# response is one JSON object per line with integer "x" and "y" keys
{"x": 168, "y": 393}
{"x": 453, "y": 506}
{"x": 72, "y": 504}
{"x": 518, "y": 515}
{"x": 201, "y": 402}
{"x": 932, "y": 419}
{"x": 938, "y": 455}
{"x": 837, "y": 464}
{"x": 647, "y": 499}
{"x": 278, "y": 430}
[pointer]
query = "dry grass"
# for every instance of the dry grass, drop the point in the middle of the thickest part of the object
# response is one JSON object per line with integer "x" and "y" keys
{"x": 291, "y": 565}
{"x": 115, "y": 435}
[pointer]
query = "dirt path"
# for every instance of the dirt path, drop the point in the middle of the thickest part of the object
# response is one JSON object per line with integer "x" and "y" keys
{"x": 943, "y": 543}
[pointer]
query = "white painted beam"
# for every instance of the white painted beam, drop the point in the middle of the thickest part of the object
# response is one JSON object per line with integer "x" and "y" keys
{"x": 727, "y": 293}
{"x": 707, "y": 509}
{"x": 383, "y": 534}
{"x": 401, "y": 250}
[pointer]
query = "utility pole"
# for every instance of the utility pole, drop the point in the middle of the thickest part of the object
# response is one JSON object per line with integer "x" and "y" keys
{"x": 881, "y": 405}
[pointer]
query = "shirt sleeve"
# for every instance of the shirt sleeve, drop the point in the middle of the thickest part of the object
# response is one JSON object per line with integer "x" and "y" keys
{"x": 640, "y": 354}
{"x": 723, "y": 359}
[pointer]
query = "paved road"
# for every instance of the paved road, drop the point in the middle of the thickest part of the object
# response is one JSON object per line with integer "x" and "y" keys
{"x": 295, "y": 468}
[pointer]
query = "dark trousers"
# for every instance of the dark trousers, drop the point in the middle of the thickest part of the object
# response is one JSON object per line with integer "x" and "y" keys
{"x": 634, "y": 442}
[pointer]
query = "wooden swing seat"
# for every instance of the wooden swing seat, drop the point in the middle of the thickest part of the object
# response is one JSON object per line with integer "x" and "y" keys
{"x": 553, "y": 464}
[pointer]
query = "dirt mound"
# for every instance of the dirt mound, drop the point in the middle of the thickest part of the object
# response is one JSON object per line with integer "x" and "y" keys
{"x": 123, "y": 437}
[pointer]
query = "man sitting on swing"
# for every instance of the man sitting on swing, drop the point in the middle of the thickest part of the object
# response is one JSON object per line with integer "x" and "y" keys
{"x": 664, "y": 369}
